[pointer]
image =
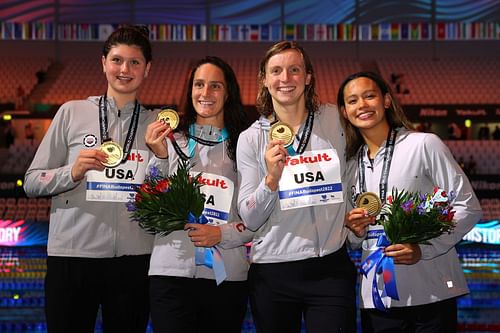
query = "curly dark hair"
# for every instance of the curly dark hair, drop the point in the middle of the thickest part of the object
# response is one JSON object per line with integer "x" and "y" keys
{"x": 235, "y": 118}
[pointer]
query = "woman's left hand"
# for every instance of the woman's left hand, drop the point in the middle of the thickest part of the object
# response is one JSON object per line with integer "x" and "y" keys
{"x": 203, "y": 235}
{"x": 407, "y": 254}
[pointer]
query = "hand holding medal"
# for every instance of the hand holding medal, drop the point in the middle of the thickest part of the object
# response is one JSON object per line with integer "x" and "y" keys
{"x": 114, "y": 152}
{"x": 170, "y": 117}
{"x": 370, "y": 202}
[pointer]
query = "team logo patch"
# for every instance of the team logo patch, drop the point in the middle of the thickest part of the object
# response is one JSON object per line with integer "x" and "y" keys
{"x": 89, "y": 140}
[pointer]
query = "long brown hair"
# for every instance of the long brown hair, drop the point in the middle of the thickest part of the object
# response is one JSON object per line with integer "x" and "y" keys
{"x": 394, "y": 113}
{"x": 264, "y": 102}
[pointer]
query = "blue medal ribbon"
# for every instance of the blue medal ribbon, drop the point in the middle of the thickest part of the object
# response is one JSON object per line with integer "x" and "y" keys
{"x": 209, "y": 257}
{"x": 383, "y": 265}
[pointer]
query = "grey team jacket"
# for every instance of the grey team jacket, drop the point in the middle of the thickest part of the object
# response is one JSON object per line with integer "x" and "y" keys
{"x": 173, "y": 255}
{"x": 81, "y": 228}
{"x": 420, "y": 162}
{"x": 294, "y": 234}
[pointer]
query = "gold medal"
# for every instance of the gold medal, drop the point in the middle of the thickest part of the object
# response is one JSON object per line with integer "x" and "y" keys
{"x": 281, "y": 131}
{"x": 369, "y": 201}
{"x": 114, "y": 152}
{"x": 170, "y": 117}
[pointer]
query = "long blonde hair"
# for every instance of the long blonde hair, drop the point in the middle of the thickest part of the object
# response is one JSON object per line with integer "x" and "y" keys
{"x": 264, "y": 102}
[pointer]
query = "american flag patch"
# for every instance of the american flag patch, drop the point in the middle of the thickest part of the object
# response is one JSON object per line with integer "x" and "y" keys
{"x": 46, "y": 177}
{"x": 251, "y": 203}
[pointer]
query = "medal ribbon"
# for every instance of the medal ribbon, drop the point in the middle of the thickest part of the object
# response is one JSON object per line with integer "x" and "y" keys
{"x": 132, "y": 129}
{"x": 383, "y": 265}
{"x": 192, "y": 140}
{"x": 209, "y": 257}
{"x": 305, "y": 137}
{"x": 389, "y": 150}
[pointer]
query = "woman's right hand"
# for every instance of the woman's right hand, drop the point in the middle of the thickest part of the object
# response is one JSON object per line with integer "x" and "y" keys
{"x": 155, "y": 138}
{"x": 88, "y": 159}
{"x": 358, "y": 220}
{"x": 275, "y": 158}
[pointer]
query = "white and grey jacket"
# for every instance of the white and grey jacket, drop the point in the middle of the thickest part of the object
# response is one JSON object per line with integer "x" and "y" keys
{"x": 296, "y": 234}
{"x": 420, "y": 162}
{"x": 174, "y": 254}
{"x": 81, "y": 228}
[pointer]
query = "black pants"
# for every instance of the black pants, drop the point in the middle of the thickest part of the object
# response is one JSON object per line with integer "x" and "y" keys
{"x": 320, "y": 290}
{"x": 76, "y": 287}
{"x": 439, "y": 317}
{"x": 185, "y": 305}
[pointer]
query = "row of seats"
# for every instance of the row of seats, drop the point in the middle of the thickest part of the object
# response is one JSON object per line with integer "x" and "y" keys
{"x": 19, "y": 73}
{"x": 428, "y": 81}
{"x": 33, "y": 209}
{"x": 484, "y": 153}
{"x": 491, "y": 208}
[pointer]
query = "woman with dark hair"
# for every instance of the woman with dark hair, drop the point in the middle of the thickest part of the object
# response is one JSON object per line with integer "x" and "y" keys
{"x": 385, "y": 153}
{"x": 96, "y": 256}
{"x": 292, "y": 167}
{"x": 185, "y": 296}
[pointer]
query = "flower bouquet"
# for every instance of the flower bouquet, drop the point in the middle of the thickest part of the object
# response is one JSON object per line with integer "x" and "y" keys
{"x": 415, "y": 218}
{"x": 408, "y": 218}
{"x": 164, "y": 204}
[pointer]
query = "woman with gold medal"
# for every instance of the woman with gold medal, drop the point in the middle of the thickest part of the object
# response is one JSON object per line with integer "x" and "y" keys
{"x": 189, "y": 295}
{"x": 385, "y": 153}
{"x": 89, "y": 160}
{"x": 292, "y": 194}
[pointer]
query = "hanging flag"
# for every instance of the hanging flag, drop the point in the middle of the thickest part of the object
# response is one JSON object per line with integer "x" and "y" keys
{"x": 264, "y": 32}
{"x": 244, "y": 32}
{"x": 385, "y": 31}
{"x": 404, "y": 31}
{"x": 375, "y": 32}
{"x": 425, "y": 32}
{"x": 320, "y": 32}
{"x": 365, "y": 32}
{"x": 300, "y": 32}
{"x": 440, "y": 30}
{"x": 276, "y": 34}
{"x": 331, "y": 32}
{"x": 414, "y": 31}
{"x": 340, "y": 31}
{"x": 395, "y": 31}
{"x": 289, "y": 33}
{"x": 254, "y": 32}
{"x": 104, "y": 31}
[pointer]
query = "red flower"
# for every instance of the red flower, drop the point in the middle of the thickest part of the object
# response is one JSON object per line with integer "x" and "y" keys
{"x": 162, "y": 185}
{"x": 146, "y": 188}
{"x": 138, "y": 197}
{"x": 389, "y": 199}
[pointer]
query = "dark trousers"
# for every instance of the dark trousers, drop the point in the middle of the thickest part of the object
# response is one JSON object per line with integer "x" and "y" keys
{"x": 319, "y": 290}
{"x": 185, "y": 305}
{"x": 76, "y": 287}
{"x": 439, "y": 317}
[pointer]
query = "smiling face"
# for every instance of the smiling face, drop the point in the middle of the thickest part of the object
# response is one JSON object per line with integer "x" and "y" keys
{"x": 209, "y": 93}
{"x": 286, "y": 78}
{"x": 365, "y": 105}
{"x": 125, "y": 68}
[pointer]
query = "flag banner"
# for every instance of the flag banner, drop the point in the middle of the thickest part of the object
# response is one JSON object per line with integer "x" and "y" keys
{"x": 415, "y": 31}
